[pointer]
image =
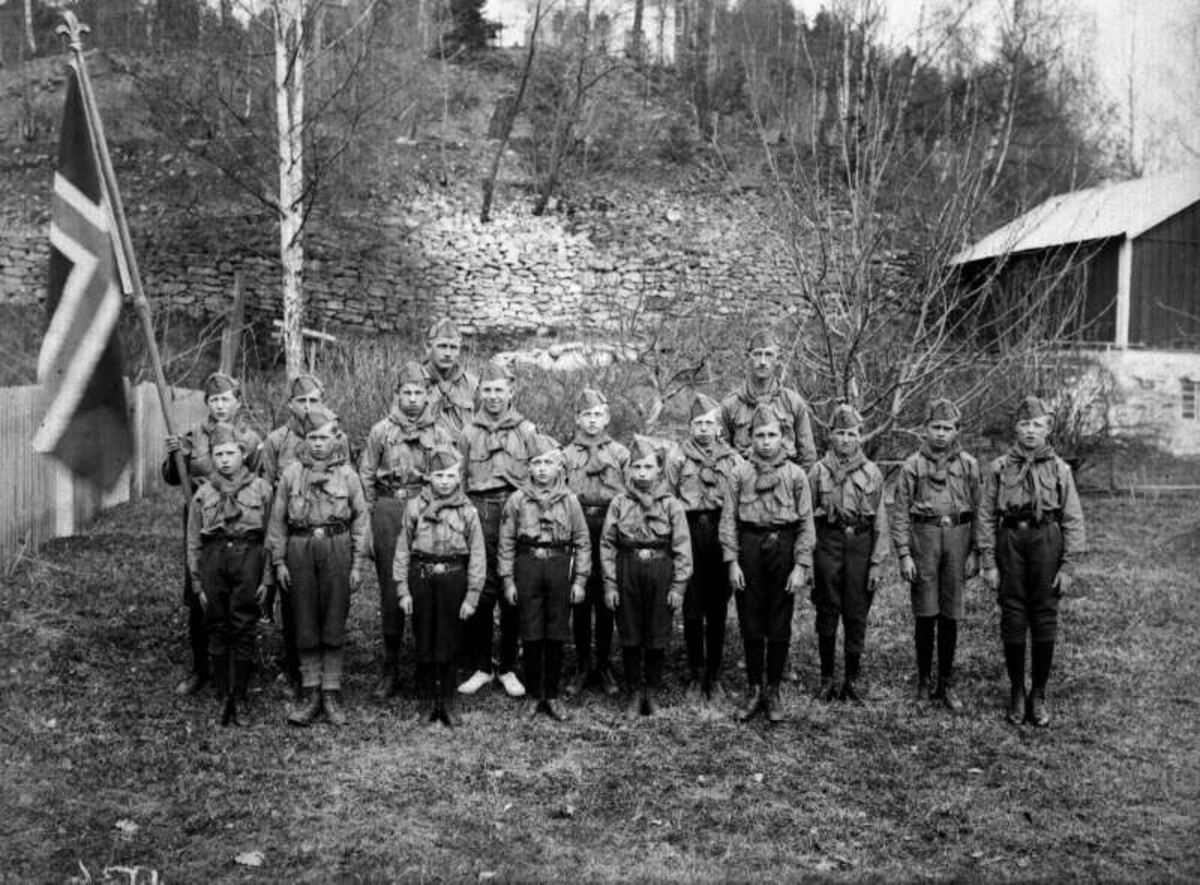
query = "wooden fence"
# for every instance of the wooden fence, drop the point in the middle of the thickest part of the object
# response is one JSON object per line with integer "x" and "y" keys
{"x": 40, "y": 500}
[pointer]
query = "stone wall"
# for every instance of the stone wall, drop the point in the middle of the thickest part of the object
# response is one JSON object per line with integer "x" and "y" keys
{"x": 518, "y": 274}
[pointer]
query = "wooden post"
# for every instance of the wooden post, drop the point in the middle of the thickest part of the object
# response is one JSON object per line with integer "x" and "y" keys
{"x": 131, "y": 281}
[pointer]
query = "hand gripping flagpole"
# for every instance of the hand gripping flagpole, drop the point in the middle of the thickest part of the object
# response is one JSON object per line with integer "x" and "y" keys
{"x": 73, "y": 30}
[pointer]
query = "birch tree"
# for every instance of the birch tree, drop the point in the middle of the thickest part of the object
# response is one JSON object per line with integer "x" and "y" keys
{"x": 290, "y": 54}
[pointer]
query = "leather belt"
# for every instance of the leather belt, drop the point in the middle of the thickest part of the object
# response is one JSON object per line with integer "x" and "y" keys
{"x": 544, "y": 550}
{"x": 402, "y": 492}
{"x": 230, "y": 540}
{"x": 594, "y": 509}
{"x": 329, "y": 530}
{"x": 849, "y": 529}
{"x": 438, "y": 565}
{"x": 646, "y": 552}
{"x": 948, "y": 519}
{"x": 704, "y": 515}
{"x": 1024, "y": 521}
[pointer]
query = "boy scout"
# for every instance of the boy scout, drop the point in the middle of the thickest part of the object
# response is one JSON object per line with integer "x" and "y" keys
{"x": 223, "y": 398}
{"x": 544, "y": 557}
{"x": 393, "y": 468}
{"x": 595, "y": 470}
{"x": 698, "y": 478}
{"x": 646, "y": 554}
{"x": 764, "y": 388}
{"x": 279, "y": 449}
{"x": 852, "y": 541}
{"x": 496, "y": 446}
{"x": 317, "y": 541}
{"x": 933, "y": 531}
{"x": 452, "y": 389}
{"x": 226, "y": 525}
{"x": 1030, "y": 535}
{"x": 439, "y": 568}
{"x": 766, "y": 537}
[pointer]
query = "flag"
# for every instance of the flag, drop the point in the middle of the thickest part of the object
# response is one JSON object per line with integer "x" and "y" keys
{"x": 86, "y": 420}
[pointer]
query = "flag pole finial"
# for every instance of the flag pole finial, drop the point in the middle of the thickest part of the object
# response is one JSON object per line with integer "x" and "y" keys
{"x": 73, "y": 30}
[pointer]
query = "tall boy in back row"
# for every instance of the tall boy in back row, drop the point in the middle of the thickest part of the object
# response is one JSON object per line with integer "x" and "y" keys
{"x": 933, "y": 530}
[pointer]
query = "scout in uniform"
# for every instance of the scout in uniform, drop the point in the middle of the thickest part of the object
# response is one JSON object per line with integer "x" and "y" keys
{"x": 763, "y": 387}
{"x": 452, "y": 389}
{"x": 933, "y": 531}
{"x": 223, "y": 398}
{"x": 439, "y": 568}
{"x": 544, "y": 557}
{"x": 646, "y": 554}
{"x": 280, "y": 448}
{"x": 766, "y": 535}
{"x": 1030, "y": 536}
{"x": 317, "y": 542}
{"x": 595, "y": 468}
{"x": 699, "y": 479}
{"x": 496, "y": 447}
{"x": 393, "y": 468}
{"x": 852, "y": 541}
{"x": 227, "y": 522}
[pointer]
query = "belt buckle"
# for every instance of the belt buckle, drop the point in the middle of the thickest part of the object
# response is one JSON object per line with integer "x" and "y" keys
{"x": 319, "y": 532}
{"x": 944, "y": 521}
{"x": 645, "y": 554}
{"x": 849, "y": 531}
{"x": 541, "y": 553}
{"x": 771, "y": 538}
{"x": 437, "y": 568}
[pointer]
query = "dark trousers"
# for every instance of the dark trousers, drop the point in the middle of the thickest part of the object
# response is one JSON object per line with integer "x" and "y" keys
{"x": 706, "y": 600}
{"x": 230, "y": 572}
{"x": 841, "y": 565}
{"x": 543, "y": 595}
{"x": 437, "y": 599}
{"x": 196, "y": 622}
{"x": 543, "y": 667}
{"x": 940, "y": 554}
{"x": 478, "y": 633}
{"x": 320, "y": 591}
{"x": 1028, "y": 560}
{"x": 386, "y": 518}
{"x": 643, "y": 616}
{"x": 764, "y": 608}
{"x": 593, "y": 611}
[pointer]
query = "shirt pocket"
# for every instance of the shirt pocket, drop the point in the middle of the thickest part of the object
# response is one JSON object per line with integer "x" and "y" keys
{"x": 337, "y": 495}
{"x": 253, "y": 508}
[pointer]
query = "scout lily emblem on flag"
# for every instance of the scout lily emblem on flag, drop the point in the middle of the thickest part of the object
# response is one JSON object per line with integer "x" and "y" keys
{"x": 85, "y": 424}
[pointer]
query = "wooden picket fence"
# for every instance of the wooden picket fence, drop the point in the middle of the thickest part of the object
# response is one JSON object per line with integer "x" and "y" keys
{"x": 39, "y": 500}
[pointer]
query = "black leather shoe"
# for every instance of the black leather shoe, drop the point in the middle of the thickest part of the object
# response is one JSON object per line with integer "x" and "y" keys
{"x": 852, "y": 691}
{"x": 923, "y": 694}
{"x": 694, "y": 693}
{"x": 608, "y": 682}
{"x": 633, "y": 706}
{"x": 951, "y": 700}
{"x": 774, "y": 705}
{"x": 309, "y": 710}
{"x": 650, "y": 702}
{"x": 450, "y": 716}
{"x": 332, "y": 701}
{"x": 191, "y": 685}
{"x": 751, "y": 704}
{"x": 554, "y": 710}
{"x": 575, "y": 686}
{"x": 1039, "y": 711}
{"x": 828, "y": 690}
{"x": 1016, "y": 706}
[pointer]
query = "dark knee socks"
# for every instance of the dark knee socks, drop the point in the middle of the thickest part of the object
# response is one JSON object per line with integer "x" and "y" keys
{"x": 776, "y": 660}
{"x": 924, "y": 639}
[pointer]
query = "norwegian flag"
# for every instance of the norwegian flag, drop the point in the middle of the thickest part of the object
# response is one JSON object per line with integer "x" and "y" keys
{"x": 86, "y": 421}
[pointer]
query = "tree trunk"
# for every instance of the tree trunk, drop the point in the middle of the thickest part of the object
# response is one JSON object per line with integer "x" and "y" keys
{"x": 289, "y": 124}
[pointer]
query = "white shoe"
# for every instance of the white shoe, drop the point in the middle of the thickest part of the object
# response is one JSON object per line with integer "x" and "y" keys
{"x": 477, "y": 681}
{"x": 512, "y": 685}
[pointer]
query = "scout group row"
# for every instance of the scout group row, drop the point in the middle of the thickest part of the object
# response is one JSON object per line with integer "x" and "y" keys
{"x": 464, "y": 507}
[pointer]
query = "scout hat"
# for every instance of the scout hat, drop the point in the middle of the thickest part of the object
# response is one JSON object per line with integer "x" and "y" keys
{"x": 219, "y": 382}
{"x": 763, "y": 338}
{"x": 589, "y": 398}
{"x": 444, "y": 329}
{"x": 303, "y": 384}
{"x": 223, "y": 434}
{"x": 644, "y": 447}
{"x": 316, "y": 418}
{"x": 764, "y": 415}
{"x": 845, "y": 416}
{"x": 942, "y": 409}
{"x": 411, "y": 373}
{"x": 702, "y": 405}
{"x": 1033, "y": 407}
{"x": 444, "y": 457}
{"x": 494, "y": 371}
{"x": 545, "y": 445}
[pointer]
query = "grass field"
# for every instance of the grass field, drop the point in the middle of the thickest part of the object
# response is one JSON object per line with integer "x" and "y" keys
{"x": 102, "y": 766}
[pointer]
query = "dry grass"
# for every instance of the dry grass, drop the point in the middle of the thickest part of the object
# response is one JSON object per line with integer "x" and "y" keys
{"x": 91, "y": 735}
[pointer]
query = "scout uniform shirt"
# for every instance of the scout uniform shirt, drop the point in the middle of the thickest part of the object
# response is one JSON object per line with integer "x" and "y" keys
{"x": 768, "y": 493}
{"x": 284, "y": 444}
{"x": 638, "y": 519}
{"x": 544, "y": 518}
{"x": 235, "y": 508}
{"x": 595, "y": 469}
{"x": 441, "y": 528}
{"x": 452, "y": 398}
{"x": 737, "y": 410}
{"x": 699, "y": 478}
{"x": 850, "y": 494}
{"x": 197, "y": 451}
{"x": 934, "y": 485}
{"x": 396, "y": 455}
{"x": 496, "y": 453}
{"x": 318, "y": 495}
{"x": 1036, "y": 486}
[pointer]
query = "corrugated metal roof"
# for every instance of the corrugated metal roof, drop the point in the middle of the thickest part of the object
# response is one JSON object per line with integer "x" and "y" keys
{"x": 1129, "y": 208}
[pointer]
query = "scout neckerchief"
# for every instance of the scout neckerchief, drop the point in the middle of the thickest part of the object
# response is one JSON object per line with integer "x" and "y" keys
{"x": 410, "y": 427}
{"x": 432, "y": 505}
{"x": 228, "y": 488}
{"x": 317, "y": 472}
{"x": 655, "y": 518}
{"x": 545, "y": 497}
{"x": 754, "y": 398}
{"x": 445, "y": 383}
{"x": 841, "y": 469}
{"x": 493, "y": 439}
{"x": 767, "y": 478}
{"x": 708, "y": 459}
{"x": 1026, "y": 475}
{"x": 940, "y": 461}
{"x": 596, "y": 447}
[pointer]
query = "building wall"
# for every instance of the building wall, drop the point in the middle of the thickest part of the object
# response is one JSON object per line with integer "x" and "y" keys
{"x": 1165, "y": 284}
{"x": 1150, "y": 387}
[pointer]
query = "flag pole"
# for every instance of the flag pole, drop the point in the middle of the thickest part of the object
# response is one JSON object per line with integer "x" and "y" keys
{"x": 131, "y": 280}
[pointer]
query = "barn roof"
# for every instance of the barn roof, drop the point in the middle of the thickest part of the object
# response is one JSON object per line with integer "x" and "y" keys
{"x": 1129, "y": 209}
